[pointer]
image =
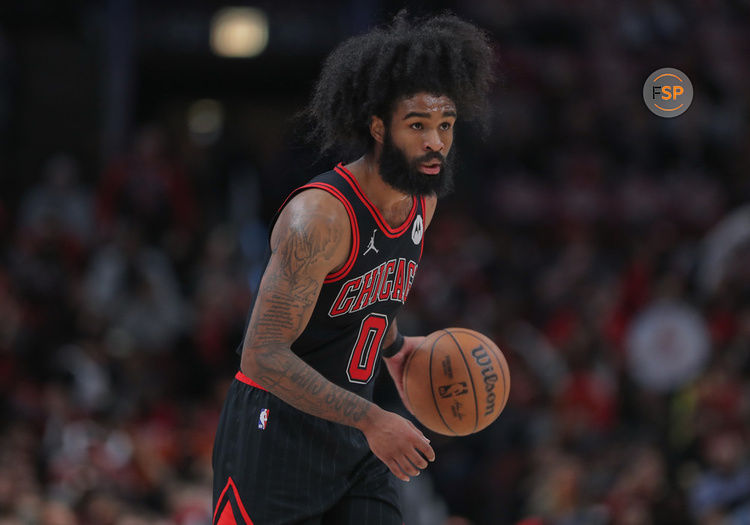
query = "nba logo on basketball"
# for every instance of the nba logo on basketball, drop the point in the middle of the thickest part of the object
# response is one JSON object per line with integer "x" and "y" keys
{"x": 263, "y": 419}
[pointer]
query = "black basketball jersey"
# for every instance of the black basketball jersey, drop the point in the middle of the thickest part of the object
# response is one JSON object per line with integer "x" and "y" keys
{"x": 358, "y": 303}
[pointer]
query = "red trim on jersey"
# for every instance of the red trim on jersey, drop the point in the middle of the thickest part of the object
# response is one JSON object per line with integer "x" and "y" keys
{"x": 424, "y": 228}
{"x": 335, "y": 276}
{"x": 387, "y": 230}
{"x": 239, "y": 376}
{"x": 245, "y": 516}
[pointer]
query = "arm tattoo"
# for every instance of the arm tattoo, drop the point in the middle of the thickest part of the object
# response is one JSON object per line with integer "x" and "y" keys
{"x": 286, "y": 299}
{"x": 289, "y": 294}
{"x": 284, "y": 374}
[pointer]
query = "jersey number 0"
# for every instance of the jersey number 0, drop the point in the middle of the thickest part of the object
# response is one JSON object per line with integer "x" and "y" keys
{"x": 365, "y": 351}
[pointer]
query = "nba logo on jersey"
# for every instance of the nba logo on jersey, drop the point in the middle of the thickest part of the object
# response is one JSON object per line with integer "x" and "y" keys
{"x": 263, "y": 419}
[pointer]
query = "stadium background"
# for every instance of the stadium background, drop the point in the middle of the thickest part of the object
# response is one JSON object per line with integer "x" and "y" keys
{"x": 604, "y": 248}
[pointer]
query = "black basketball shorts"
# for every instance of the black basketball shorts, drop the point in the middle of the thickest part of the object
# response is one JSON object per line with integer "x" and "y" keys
{"x": 274, "y": 465}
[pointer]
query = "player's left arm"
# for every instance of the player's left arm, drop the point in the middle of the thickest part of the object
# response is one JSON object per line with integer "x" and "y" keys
{"x": 403, "y": 345}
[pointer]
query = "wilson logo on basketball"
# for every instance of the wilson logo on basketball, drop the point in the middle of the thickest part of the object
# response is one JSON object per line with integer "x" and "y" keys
{"x": 489, "y": 376}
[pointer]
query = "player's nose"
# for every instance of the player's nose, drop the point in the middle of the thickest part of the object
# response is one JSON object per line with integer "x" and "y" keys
{"x": 432, "y": 141}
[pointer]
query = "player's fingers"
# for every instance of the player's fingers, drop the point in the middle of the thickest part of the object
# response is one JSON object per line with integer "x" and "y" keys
{"x": 421, "y": 436}
{"x": 426, "y": 450}
{"x": 414, "y": 427}
{"x": 396, "y": 469}
{"x": 407, "y": 466}
{"x": 418, "y": 460}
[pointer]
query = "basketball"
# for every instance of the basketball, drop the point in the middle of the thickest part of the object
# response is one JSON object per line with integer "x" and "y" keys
{"x": 456, "y": 382}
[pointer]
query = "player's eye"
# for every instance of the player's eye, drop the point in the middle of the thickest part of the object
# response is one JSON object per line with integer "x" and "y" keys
{"x": 416, "y": 125}
{"x": 445, "y": 126}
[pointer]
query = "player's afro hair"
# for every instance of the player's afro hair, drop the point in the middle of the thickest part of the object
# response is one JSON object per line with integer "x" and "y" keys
{"x": 368, "y": 74}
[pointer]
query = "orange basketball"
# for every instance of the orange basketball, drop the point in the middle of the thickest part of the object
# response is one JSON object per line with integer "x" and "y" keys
{"x": 456, "y": 382}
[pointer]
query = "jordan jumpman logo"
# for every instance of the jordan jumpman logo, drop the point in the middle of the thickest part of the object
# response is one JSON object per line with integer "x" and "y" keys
{"x": 371, "y": 246}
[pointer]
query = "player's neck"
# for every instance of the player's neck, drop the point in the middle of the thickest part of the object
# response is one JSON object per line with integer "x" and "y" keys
{"x": 385, "y": 197}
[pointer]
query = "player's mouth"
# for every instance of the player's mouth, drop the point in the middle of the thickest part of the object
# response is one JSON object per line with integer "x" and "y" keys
{"x": 431, "y": 168}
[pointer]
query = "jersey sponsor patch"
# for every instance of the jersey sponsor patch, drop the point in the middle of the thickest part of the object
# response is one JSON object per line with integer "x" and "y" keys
{"x": 417, "y": 230}
{"x": 263, "y": 419}
{"x": 390, "y": 281}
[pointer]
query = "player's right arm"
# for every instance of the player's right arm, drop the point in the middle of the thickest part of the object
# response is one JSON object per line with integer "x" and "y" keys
{"x": 310, "y": 239}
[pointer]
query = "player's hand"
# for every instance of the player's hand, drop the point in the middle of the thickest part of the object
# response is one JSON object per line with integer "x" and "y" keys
{"x": 396, "y": 364}
{"x": 398, "y": 444}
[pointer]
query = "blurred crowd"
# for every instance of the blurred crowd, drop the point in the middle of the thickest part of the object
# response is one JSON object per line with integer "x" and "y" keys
{"x": 605, "y": 249}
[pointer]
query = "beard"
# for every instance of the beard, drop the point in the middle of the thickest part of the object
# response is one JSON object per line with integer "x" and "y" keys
{"x": 404, "y": 175}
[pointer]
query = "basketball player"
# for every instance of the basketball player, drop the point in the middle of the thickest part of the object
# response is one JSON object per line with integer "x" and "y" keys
{"x": 300, "y": 440}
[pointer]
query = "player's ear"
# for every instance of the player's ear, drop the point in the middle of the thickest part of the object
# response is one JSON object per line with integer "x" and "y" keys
{"x": 377, "y": 129}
